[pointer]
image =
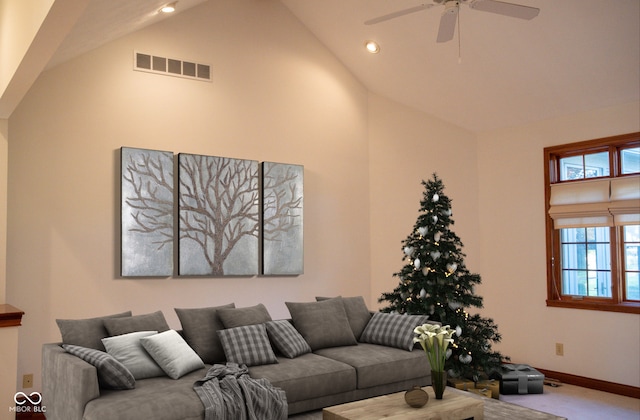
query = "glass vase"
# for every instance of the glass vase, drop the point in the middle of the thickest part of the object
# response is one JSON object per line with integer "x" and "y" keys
{"x": 438, "y": 382}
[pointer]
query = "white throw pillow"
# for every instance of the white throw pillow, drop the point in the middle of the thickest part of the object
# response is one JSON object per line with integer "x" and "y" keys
{"x": 128, "y": 350}
{"x": 172, "y": 353}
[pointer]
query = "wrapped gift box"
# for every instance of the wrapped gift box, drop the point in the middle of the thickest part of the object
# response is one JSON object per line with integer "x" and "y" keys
{"x": 519, "y": 379}
{"x": 488, "y": 388}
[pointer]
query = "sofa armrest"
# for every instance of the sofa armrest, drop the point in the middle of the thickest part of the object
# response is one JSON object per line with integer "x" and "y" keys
{"x": 68, "y": 383}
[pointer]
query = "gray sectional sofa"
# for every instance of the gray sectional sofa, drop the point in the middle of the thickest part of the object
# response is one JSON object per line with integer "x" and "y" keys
{"x": 336, "y": 352}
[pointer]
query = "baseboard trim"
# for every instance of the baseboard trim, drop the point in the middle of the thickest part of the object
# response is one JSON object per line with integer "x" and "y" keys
{"x": 612, "y": 387}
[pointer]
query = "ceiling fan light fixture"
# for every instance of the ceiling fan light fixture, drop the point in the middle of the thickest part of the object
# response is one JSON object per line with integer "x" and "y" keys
{"x": 372, "y": 47}
{"x": 169, "y": 8}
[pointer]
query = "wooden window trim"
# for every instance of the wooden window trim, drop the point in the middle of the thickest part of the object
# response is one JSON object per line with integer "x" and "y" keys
{"x": 552, "y": 157}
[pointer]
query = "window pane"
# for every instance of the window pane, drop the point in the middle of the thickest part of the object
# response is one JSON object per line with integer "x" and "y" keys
{"x": 586, "y": 261}
{"x": 630, "y": 159}
{"x": 596, "y": 164}
{"x": 631, "y": 266}
{"x": 571, "y": 168}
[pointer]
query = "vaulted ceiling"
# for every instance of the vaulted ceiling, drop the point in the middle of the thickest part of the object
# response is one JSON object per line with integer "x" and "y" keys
{"x": 496, "y": 72}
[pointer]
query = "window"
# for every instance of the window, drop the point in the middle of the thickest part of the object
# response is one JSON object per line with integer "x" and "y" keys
{"x": 592, "y": 192}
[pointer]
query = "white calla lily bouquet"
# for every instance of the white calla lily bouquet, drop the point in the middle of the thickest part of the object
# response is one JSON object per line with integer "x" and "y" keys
{"x": 434, "y": 339}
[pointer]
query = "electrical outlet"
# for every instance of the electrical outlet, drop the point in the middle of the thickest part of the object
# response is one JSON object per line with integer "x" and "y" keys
{"x": 559, "y": 349}
{"x": 27, "y": 380}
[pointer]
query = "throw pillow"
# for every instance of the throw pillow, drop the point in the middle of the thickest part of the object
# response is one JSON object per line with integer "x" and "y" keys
{"x": 199, "y": 327}
{"x": 287, "y": 339}
{"x": 247, "y": 345}
{"x": 239, "y": 317}
{"x": 172, "y": 353}
{"x": 357, "y": 313}
{"x": 128, "y": 350}
{"x": 392, "y": 330}
{"x": 148, "y": 322}
{"x": 86, "y": 332}
{"x": 111, "y": 373}
{"x": 322, "y": 324}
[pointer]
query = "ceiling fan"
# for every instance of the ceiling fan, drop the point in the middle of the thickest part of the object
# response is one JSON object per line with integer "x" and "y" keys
{"x": 451, "y": 9}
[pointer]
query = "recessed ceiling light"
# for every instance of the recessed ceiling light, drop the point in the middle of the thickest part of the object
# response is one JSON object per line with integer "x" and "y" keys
{"x": 372, "y": 47}
{"x": 169, "y": 8}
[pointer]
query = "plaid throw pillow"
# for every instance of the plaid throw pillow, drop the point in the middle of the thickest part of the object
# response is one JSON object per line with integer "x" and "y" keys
{"x": 111, "y": 373}
{"x": 392, "y": 330}
{"x": 287, "y": 339}
{"x": 247, "y": 345}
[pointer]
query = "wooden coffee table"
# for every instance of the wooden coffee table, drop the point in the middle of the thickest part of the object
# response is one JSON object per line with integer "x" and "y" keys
{"x": 455, "y": 404}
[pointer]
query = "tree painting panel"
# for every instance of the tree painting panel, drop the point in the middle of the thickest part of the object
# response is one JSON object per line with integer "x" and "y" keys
{"x": 146, "y": 212}
{"x": 282, "y": 219}
{"x": 219, "y": 215}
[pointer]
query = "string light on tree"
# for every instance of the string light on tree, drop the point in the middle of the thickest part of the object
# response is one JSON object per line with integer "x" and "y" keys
{"x": 436, "y": 282}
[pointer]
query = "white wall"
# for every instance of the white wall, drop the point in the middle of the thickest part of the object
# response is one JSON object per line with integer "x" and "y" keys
{"x": 599, "y": 345}
{"x": 277, "y": 95}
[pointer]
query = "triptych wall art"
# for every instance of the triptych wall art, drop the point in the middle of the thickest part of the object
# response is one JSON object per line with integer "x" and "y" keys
{"x": 234, "y": 217}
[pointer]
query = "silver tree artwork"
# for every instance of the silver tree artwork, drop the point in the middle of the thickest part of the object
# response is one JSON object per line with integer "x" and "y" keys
{"x": 219, "y": 215}
{"x": 146, "y": 212}
{"x": 282, "y": 214}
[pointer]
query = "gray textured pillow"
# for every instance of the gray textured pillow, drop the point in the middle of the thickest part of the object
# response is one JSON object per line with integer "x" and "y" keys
{"x": 239, "y": 317}
{"x": 322, "y": 324}
{"x": 86, "y": 332}
{"x": 357, "y": 313}
{"x": 148, "y": 322}
{"x": 199, "y": 327}
{"x": 287, "y": 339}
{"x": 172, "y": 353}
{"x": 247, "y": 345}
{"x": 111, "y": 373}
{"x": 392, "y": 330}
{"x": 128, "y": 350}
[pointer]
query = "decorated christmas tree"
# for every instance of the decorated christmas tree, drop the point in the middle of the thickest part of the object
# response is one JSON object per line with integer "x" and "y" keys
{"x": 435, "y": 281}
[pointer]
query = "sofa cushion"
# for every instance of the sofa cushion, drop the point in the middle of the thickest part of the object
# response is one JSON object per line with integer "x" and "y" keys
{"x": 153, "y": 398}
{"x": 308, "y": 376}
{"x": 128, "y": 350}
{"x": 392, "y": 330}
{"x": 200, "y": 327}
{"x": 379, "y": 365}
{"x": 287, "y": 339}
{"x": 111, "y": 373}
{"x": 86, "y": 332}
{"x": 357, "y": 313}
{"x": 239, "y": 317}
{"x": 247, "y": 345}
{"x": 172, "y": 353}
{"x": 148, "y": 322}
{"x": 322, "y": 324}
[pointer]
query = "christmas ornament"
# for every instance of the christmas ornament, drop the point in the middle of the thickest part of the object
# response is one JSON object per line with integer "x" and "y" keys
{"x": 408, "y": 250}
{"x": 454, "y": 305}
{"x": 448, "y": 354}
{"x": 437, "y": 236}
{"x": 423, "y": 231}
{"x": 435, "y": 219}
{"x": 466, "y": 358}
{"x": 452, "y": 267}
{"x": 435, "y": 255}
{"x": 416, "y": 263}
{"x": 425, "y": 270}
{"x": 423, "y": 293}
{"x": 435, "y": 198}
{"x": 458, "y": 331}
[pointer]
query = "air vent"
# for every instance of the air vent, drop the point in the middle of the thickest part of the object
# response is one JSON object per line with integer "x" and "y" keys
{"x": 171, "y": 66}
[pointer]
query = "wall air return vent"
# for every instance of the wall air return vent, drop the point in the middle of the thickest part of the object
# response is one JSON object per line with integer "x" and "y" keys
{"x": 171, "y": 66}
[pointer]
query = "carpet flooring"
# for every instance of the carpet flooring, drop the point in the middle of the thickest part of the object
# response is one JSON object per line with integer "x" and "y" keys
{"x": 568, "y": 401}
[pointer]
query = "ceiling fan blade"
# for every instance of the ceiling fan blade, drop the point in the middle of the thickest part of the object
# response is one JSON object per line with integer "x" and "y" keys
{"x": 448, "y": 23}
{"x": 506, "y": 9}
{"x": 398, "y": 14}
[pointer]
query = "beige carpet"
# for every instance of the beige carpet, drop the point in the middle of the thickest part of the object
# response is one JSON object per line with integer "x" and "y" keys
{"x": 566, "y": 401}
